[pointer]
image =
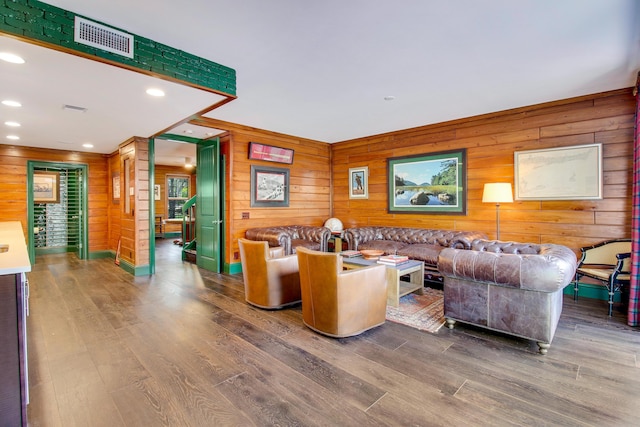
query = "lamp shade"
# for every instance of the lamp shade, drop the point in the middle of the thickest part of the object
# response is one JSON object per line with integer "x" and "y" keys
{"x": 497, "y": 192}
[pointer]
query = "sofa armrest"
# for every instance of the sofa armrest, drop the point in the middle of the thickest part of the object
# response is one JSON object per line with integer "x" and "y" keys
{"x": 465, "y": 239}
{"x": 273, "y": 236}
{"x": 357, "y": 236}
{"x": 550, "y": 270}
{"x": 315, "y": 234}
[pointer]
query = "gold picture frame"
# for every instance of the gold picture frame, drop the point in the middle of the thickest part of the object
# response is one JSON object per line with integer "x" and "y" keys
{"x": 46, "y": 187}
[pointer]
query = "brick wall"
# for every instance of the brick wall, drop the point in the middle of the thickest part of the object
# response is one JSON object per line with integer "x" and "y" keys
{"x": 53, "y": 26}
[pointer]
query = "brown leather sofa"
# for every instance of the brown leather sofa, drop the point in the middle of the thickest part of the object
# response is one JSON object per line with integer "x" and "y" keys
{"x": 421, "y": 244}
{"x": 510, "y": 287}
{"x": 271, "y": 279}
{"x": 340, "y": 303}
{"x": 291, "y": 236}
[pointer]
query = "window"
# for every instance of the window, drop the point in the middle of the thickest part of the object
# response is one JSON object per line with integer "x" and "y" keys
{"x": 178, "y": 192}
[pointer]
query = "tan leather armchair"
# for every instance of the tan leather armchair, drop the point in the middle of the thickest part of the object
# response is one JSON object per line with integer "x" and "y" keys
{"x": 340, "y": 303}
{"x": 271, "y": 280}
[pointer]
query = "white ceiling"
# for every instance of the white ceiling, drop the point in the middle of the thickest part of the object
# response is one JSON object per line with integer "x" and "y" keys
{"x": 322, "y": 69}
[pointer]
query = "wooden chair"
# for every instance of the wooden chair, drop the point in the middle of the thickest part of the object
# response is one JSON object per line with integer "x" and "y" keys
{"x": 609, "y": 263}
{"x": 271, "y": 279}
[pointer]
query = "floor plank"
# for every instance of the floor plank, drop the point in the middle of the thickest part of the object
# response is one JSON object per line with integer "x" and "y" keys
{"x": 183, "y": 348}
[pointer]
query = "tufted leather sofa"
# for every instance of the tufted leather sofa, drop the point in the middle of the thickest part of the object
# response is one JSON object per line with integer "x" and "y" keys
{"x": 417, "y": 243}
{"x": 515, "y": 288}
{"x": 292, "y": 236}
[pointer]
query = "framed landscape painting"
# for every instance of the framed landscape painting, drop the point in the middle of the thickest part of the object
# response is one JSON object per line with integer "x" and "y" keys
{"x": 428, "y": 183}
{"x": 46, "y": 187}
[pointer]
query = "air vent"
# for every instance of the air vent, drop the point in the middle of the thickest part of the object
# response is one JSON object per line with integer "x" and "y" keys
{"x": 96, "y": 35}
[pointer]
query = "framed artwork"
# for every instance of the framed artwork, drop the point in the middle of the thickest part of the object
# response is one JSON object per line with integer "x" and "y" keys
{"x": 270, "y": 153}
{"x": 46, "y": 187}
{"x": 269, "y": 187}
{"x": 428, "y": 183}
{"x": 115, "y": 179}
{"x": 565, "y": 173}
{"x": 359, "y": 183}
{"x": 156, "y": 192}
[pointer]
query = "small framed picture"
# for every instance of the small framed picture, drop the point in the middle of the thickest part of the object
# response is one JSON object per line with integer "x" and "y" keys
{"x": 359, "y": 183}
{"x": 46, "y": 187}
{"x": 156, "y": 192}
{"x": 269, "y": 187}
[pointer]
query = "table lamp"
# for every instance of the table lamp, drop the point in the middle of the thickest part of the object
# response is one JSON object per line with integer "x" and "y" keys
{"x": 497, "y": 192}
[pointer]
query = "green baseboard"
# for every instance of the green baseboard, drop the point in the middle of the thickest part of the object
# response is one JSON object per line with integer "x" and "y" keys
{"x": 234, "y": 268}
{"x": 102, "y": 254}
{"x": 589, "y": 290}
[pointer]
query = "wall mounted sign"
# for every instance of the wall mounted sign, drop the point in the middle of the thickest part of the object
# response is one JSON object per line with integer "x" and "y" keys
{"x": 428, "y": 183}
{"x": 269, "y": 187}
{"x": 565, "y": 173}
{"x": 270, "y": 153}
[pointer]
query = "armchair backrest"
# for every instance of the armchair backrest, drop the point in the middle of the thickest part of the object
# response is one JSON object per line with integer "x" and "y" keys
{"x": 338, "y": 302}
{"x": 604, "y": 253}
{"x": 270, "y": 279}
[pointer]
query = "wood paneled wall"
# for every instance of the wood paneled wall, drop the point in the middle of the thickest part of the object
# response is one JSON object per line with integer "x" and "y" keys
{"x": 309, "y": 179}
{"x": 13, "y": 181}
{"x": 490, "y": 141}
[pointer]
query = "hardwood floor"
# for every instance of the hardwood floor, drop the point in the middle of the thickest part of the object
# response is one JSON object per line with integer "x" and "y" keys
{"x": 182, "y": 348}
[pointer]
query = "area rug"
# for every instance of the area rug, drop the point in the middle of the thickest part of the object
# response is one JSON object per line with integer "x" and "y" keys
{"x": 424, "y": 312}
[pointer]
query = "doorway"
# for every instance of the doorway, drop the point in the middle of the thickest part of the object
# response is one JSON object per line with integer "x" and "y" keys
{"x": 57, "y": 203}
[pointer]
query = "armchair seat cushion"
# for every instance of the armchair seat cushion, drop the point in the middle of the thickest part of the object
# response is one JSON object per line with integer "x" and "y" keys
{"x": 309, "y": 244}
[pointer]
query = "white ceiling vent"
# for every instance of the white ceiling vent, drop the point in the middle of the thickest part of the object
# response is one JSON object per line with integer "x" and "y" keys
{"x": 96, "y": 35}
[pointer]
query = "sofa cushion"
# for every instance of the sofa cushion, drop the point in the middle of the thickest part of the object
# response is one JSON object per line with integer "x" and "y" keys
{"x": 422, "y": 252}
{"x": 389, "y": 247}
{"x": 306, "y": 243}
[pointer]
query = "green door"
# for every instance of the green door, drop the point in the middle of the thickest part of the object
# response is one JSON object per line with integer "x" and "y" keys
{"x": 208, "y": 221}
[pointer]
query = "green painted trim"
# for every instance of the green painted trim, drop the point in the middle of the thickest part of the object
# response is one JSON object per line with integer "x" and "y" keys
{"x": 102, "y": 254}
{"x": 234, "y": 268}
{"x": 140, "y": 270}
{"x": 589, "y": 290}
{"x": 53, "y": 26}
{"x": 55, "y": 250}
{"x": 172, "y": 235}
{"x": 152, "y": 205}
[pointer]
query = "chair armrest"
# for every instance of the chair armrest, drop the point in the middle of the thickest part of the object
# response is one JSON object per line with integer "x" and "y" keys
{"x": 279, "y": 267}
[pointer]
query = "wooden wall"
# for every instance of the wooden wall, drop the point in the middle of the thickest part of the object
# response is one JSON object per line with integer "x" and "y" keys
{"x": 490, "y": 141}
{"x": 13, "y": 182}
{"x": 309, "y": 179}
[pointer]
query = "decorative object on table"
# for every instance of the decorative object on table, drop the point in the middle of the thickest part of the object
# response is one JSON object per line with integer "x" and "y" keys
{"x": 393, "y": 259}
{"x": 428, "y": 183}
{"x": 497, "y": 192}
{"x": 46, "y": 187}
{"x": 420, "y": 311}
{"x": 359, "y": 183}
{"x": 371, "y": 253}
{"x": 334, "y": 224}
{"x": 350, "y": 254}
{"x": 270, "y": 153}
{"x": 269, "y": 187}
{"x": 565, "y": 173}
{"x": 608, "y": 262}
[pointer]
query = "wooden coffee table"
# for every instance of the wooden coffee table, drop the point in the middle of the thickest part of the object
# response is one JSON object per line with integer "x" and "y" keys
{"x": 395, "y": 287}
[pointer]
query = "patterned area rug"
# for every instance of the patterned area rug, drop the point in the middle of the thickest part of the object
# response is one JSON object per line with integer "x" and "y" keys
{"x": 424, "y": 312}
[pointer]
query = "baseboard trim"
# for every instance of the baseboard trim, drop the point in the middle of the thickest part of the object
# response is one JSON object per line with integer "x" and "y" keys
{"x": 590, "y": 290}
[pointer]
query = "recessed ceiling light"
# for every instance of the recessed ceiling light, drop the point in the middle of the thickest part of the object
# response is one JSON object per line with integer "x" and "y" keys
{"x": 10, "y": 57}
{"x": 10, "y": 103}
{"x": 13, "y": 137}
{"x": 12, "y": 124}
{"x": 155, "y": 92}
{"x": 87, "y": 145}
